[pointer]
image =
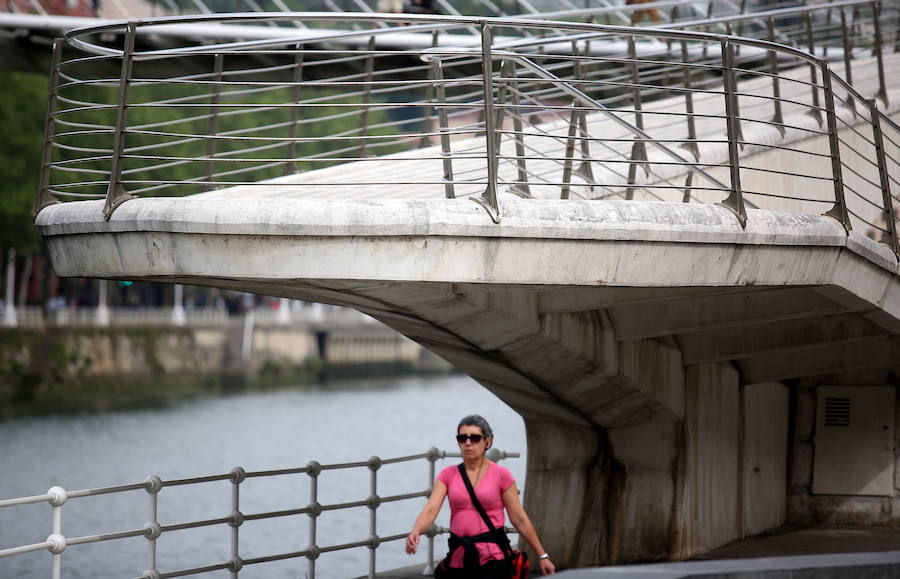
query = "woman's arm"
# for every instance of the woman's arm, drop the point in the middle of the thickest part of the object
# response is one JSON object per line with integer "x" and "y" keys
{"x": 522, "y": 523}
{"x": 427, "y": 516}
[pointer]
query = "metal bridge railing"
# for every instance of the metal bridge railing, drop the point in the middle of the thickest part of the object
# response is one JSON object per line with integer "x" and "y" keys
{"x": 546, "y": 109}
{"x": 57, "y": 497}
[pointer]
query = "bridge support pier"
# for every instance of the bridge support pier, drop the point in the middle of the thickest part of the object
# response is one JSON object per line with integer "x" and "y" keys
{"x": 633, "y": 455}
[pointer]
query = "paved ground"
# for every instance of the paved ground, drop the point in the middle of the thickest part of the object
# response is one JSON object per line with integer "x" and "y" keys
{"x": 785, "y": 541}
{"x": 815, "y": 541}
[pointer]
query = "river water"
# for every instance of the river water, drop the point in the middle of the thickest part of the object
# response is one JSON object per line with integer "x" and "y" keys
{"x": 257, "y": 431}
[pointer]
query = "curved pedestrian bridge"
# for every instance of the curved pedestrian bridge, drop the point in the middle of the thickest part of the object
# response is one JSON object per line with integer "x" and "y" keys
{"x": 680, "y": 264}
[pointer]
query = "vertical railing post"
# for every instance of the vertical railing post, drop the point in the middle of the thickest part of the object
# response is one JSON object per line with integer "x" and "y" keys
{"x": 879, "y": 57}
{"x": 638, "y": 146}
{"x": 296, "y": 92}
{"x": 897, "y": 33}
{"x": 57, "y": 541}
{"x": 212, "y": 127}
{"x": 367, "y": 97}
{"x": 238, "y": 475}
{"x": 846, "y": 34}
{"x": 520, "y": 188}
{"x": 777, "y": 117}
{"x": 839, "y": 210}
{"x": 116, "y": 194}
{"x": 153, "y": 528}
{"x": 444, "y": 129}
{"x": 313, "y": 470}
{"x": 884, "y": 178}
{"x": 816, "y": 111}
{"x": 735, "y": 200}
{"x": 691, "y": 144}
{"x": 584, "y": 169}
{"x": 44, "y": 197}
{"x": 743, "y": 10}
{"x": 570, "y": 153}
{"x": 489, "y": 199}
{"x": 709, "y": 14}
{"x": 425, "y": 141}
{"x": 10, "y": 319}
{"x": 433, "y": 454}
{"x": 374, "y": 503}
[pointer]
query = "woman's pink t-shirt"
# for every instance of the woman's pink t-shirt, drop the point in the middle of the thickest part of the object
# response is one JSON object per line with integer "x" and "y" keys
{"x": 464, "y": 517}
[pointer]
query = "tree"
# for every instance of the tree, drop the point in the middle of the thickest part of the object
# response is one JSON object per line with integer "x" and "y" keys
{"x": 22, "y": 110}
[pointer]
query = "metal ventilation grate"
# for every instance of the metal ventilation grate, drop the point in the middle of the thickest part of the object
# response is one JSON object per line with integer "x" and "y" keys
{"x": 837, "y": 412}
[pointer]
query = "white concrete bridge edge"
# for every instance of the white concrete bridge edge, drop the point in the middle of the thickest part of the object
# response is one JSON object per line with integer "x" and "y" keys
{"x": 455, "y": 241}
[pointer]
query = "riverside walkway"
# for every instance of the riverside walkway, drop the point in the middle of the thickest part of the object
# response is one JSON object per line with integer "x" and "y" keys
{"x": 680, "y": 265}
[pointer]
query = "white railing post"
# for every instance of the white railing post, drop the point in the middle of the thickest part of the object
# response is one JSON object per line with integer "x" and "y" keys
{"x": 374, "y": 502}
{"x": 101, "y": 317}
{"x": 9, "y": 305}
{"x": 433, "y": 455}
{"x": 313, "y": 469}
{"x": 284, "y": 312}
{"x": 152, "y": 528}
{"x": 178, "y": 316}
{"x": 238, "y": 475}
{"x": 56, "y": 541}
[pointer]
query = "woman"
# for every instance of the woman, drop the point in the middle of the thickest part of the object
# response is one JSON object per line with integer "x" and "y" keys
{"x": 495, "y": 488}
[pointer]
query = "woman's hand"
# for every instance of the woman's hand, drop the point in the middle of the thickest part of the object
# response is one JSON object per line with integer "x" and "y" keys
{"x": 412, "y": 543}
{"x": 547, "y": 567}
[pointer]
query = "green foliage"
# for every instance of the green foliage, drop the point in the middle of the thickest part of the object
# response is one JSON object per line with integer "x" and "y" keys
{"x": 22, "y": 110}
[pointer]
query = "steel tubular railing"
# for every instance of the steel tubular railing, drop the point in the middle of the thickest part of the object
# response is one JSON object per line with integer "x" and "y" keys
{"x": 533, "y": 107}
{"x": 56, "y": 543}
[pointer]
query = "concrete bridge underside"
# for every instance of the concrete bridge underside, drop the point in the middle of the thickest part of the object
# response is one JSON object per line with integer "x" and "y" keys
{"x": 662, "y": 356}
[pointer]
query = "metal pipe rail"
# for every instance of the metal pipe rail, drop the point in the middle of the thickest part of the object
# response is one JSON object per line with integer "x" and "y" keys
{"x": 57, "y": 497}
{"x": 537, "y": 108}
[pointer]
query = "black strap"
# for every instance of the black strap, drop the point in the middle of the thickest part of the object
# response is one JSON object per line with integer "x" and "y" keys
{"x": 502, "y": 541}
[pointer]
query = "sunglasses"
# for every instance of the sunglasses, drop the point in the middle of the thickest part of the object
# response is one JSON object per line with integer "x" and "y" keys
{"x": 462, "y": 438}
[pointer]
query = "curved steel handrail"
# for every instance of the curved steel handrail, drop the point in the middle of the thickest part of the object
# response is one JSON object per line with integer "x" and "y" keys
{"x": 561, "y": 39}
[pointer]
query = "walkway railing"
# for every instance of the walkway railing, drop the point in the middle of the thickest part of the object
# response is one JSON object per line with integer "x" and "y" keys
{"x": 313, "y": 315}
{"x": 535, "y": 108}
{"x": 313, "y": 510}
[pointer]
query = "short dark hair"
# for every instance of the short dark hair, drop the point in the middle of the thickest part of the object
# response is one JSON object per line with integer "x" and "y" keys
{"x": 477, "y": 420}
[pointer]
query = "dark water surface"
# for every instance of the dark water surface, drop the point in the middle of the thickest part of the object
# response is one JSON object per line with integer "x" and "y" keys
{"x": 257, "y": 431}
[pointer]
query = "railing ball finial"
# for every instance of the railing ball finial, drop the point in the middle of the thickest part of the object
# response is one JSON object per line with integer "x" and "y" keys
{"x": 238, "y": 475}
{"x": 237, "y": 519}
{"x": 315, "y": 509}
{"x": 374, "y": 463}
{"x": 56, "y": 544}
{"x": 235, "y": 564}
{"x": 374, "y": 542}
{"x": 154, "y": 484}
{"x": 150, "y": 575}
{"x": 313, "y": 468}
{"x": 58, "y": 496}
{"x": 152, "y": 531}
